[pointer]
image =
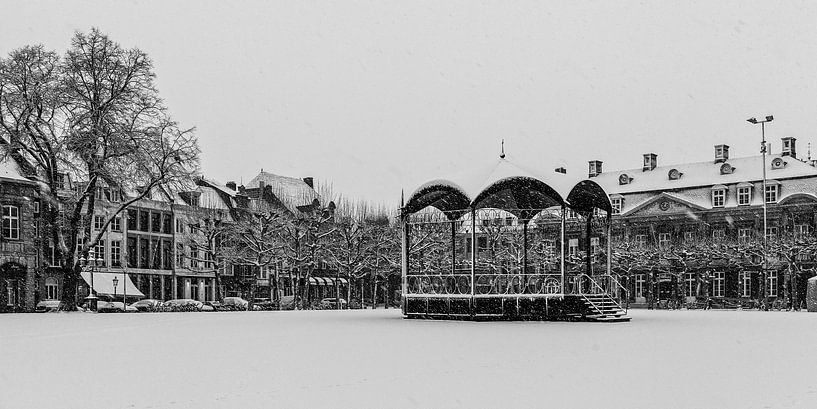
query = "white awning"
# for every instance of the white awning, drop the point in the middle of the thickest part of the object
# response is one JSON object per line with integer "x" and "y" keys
{"x": 103, "y": 284}
{"x": 327, "y": 281}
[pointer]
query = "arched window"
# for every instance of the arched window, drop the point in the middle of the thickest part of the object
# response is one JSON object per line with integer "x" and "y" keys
{"x": 52, "y": 288}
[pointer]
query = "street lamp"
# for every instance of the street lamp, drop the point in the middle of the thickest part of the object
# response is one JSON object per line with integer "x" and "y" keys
{"x": 90, "y": 264}
{"x": 753, "y": 120}
{"x": 115, "y": 283}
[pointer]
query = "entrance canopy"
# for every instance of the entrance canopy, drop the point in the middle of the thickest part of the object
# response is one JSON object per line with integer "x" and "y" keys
{"x": 103, "y": 284}
{"x": 506, "y": 185}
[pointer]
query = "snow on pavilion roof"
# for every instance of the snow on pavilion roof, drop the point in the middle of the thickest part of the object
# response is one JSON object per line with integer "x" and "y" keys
{"x": 509, "y": 186}
{"x": 9, "y": 170}
{"x": 745, "y": 169}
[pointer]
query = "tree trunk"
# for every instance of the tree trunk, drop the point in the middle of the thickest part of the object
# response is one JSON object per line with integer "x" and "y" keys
{"x": 374, "y": 292}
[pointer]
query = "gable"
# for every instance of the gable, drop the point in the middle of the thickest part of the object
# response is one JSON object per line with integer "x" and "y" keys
{"x": 664, "y": 205}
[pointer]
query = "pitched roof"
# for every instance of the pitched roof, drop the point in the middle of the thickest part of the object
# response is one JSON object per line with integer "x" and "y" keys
{"x": 9, "y": 170}
{"x": 746, "y": 169}
{"x": 292, "y": 192}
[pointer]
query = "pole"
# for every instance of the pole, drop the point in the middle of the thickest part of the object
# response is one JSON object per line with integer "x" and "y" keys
{"x": 473, "y": 255}
{"x": 765, "y": 228}
{"x": 562, "y": 245}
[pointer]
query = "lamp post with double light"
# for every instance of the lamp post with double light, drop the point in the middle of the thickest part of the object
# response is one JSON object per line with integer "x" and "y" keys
{"x": 115, "y": 282}
{"x": 89, "y": 264}
{"x": 755, "y": 121}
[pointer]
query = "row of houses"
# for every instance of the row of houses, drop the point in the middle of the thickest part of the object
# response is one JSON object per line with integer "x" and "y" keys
{"x": 153, "y": 247}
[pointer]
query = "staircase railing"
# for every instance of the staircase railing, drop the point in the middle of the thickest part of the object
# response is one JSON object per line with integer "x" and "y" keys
{"x": 595, "y": 289}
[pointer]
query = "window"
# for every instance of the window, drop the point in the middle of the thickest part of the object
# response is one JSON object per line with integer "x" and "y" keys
{"x": 194, "y": 257}
{"x": 744, "y": 196}
{"x": 180, "y": 226}
{"x": 116, "y": 224}
{"x": 718, "y": 197}
{"x": 116, "y": 253}
{"x": 509, "y": 221}
{"x": 617, "y": 202}
{"x": 37, "y": 228}
{"x": 155, "y": 222}
{"x": 771, "y": 193}
{"x": 144, "y": 253}
{"x": 482, "y": 244}
{"x": 570, "y": 214}
{"x": 11, "y": 222}
{"x": 771, "y": 232}
{"x": 36, "y": 207}
{"x": 801, "y": 230}
{"x": 166, "y": 223}
{"x": 718, "y": 234}
{"x": 663, "y": 240}
{"x": 263, "y": 273}
{"x": 116, "y": 195}
{"x": 100, "y": 193}
{"x": 641, "y": 240}
{"x": 573, "y": 247}
{"x": 99, "y": 251}
{"x": 132, "y": 252}
{"x": 99, "y": 221}
{"x": 718, "y": 283}
{"x": 180, "y": 255}
{"x": 689, "y": 236}
{"x": 143, "y": 220}
{"x": 155, "y": 254}
{"x": 639, "y": 285}
{"x": 690, "y": 284}
{"x": 167, "y": 259}
{"x": 52, "y": 289}
{"x": 594, "y": 245}
{"x": 744, "y": 234}
{"x": 771, "y": 283}
{"x": 132, "y": 216}
{"x": 745, "y": 284}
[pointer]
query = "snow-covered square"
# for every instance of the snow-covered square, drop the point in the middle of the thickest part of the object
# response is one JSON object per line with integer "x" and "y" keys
{"x": 377, "y": 359}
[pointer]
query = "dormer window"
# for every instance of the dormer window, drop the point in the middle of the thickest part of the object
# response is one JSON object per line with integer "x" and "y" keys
{"x": 624, "y": 179}
{"x": 617, "y": 202}
{"x": 718, "y": 196}
{"x": 772, "y": 191}
{"x": 674, "y": 174}
{"x": 744, "y": 194}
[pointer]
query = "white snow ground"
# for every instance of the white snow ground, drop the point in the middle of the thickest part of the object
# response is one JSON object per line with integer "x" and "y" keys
{"x": 376, "y": 359}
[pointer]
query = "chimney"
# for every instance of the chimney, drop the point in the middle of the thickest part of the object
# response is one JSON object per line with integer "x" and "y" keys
{"x": 721, "y": 153}
{"x": 650, "y": 161}
{"x": 789, "y": 146}
{"x": 309, "y": 181}
{"x": 261, "y": 184}
{"x": 561, "y": 170}
{"x": 594, "y": 168}
{"x": 231, "y": 185}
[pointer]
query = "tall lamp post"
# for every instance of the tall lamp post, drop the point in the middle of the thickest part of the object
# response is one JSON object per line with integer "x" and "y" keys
{"x": 115, "y": 283}
{"x": 90, "y": 264}
{"x": 755, "y": 121}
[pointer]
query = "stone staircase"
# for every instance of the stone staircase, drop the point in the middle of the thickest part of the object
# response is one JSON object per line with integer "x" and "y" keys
{"x": 602, "y": 308}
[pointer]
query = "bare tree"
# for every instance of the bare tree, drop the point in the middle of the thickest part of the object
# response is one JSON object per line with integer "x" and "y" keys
{"x": 94, "y": 116}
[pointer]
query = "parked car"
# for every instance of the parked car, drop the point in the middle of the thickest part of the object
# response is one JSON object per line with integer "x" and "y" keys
{"x": 332, "y": 303}
{"x": 114, "y": 306}
{"x": 287, "y": 302}
{"x": 49, "y": 306}
{"x": 148, "y": 304}
{"x": 264, "y": 304}
{"x": 182, "y": 304}
{"x": 235, "y": 303}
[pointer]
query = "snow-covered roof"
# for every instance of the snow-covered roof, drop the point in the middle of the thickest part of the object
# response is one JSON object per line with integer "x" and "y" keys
{"x": 746, "y": 169}
{"x": 9, "y": 170}
{"x": 506, "y": 185}
{"x": 292, "y": 192}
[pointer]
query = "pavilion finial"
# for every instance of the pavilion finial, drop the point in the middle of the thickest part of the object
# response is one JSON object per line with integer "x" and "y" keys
{"x": 502, "y": 154}
{"x": 402, "y": 198}
{"x": 809, "y": 151}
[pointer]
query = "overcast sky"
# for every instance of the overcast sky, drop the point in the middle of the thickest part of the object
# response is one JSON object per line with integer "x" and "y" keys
{"x": 380, "y": 96}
